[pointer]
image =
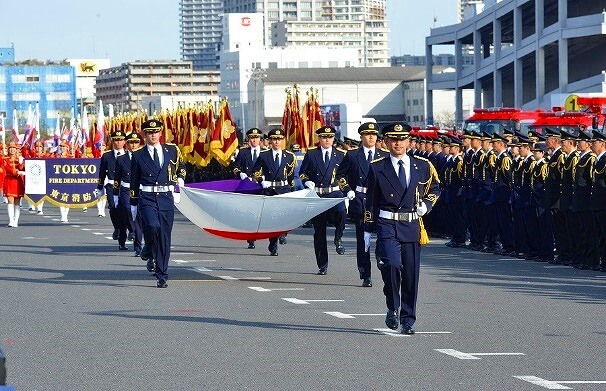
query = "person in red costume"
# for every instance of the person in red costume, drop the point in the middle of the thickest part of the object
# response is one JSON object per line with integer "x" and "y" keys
{"x": 14, "y": 184}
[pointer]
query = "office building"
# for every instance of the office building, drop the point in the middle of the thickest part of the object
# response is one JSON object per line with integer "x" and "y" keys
{"x": 200, "y": 32}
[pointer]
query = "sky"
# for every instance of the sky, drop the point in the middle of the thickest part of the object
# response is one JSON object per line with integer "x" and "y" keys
{"x": 128, "y": 30}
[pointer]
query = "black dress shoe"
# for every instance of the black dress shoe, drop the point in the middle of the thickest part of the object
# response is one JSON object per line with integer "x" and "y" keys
{"x": 115, "y": 234}
{"x": 282, "y": 239}
{"x": 161, "y": 284}
{"x": 274, "y": 253}
{"x": 367, "y": 283}
{"x": 151, "y": 265}
{"x": 408, "y": 329}
{"x": 339, "y": 247}
{"x": 457, "y": 245}
{"x": 137, "y": 253}
{"x": 322, "y": 271}
{"x": 145, "y": 253}
{"x": 391, "y": 319}
{"x": 122, "y": 248}
{"x": 131, "y": 236}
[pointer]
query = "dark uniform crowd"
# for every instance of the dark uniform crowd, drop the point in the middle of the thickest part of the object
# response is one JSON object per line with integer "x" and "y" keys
{"x": 540, "y": 197}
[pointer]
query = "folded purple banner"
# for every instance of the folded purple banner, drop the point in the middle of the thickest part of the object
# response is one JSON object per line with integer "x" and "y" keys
{"x": 230, "y": 185}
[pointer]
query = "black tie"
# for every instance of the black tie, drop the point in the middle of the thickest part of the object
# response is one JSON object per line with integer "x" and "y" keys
{"x": 254, "y": 155}
{"x": 157, "y": 158}
{"x": 369, "y": 159}
{"x": 402, "y": 173}
{"x": 326, "y": 159}
{"x": 277, "y": 159}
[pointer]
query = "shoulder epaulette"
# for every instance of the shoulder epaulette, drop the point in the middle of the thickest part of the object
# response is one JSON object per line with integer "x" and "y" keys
{"x": 265, "y": 150}
{"x": 138, "y": 148}
{"x": 288, "y": 152}
{"x": 354, "y": 148}
{"x": 421, "y": 158}
{"x": 110, "y": 150}
{"x": 244, "y": 147}
{"x": 377, "y": 160}
{"x": 311, "y": 148}
{"x": 171, "y": 144}
{"x": 384, "y": 150}
{"x": 341, "y": 150}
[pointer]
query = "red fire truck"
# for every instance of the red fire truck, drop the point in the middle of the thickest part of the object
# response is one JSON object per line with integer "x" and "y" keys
{"x": 495, "y": 120}
{"x": 591, "y": 117}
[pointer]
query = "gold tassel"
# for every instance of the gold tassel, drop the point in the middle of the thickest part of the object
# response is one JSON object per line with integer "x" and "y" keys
{"x": 424, "y": 237}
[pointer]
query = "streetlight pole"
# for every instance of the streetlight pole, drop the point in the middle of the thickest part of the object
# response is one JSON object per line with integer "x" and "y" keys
{"x": 256, "y": 75}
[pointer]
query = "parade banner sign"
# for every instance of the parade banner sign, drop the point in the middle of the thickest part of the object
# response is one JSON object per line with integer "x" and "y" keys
{"x": 62, "y": 182}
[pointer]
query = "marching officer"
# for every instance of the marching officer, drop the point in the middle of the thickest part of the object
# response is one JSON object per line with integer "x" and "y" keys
{"x": 584, "y": 233}
{"x": 155, "y": 170}
{"x": 567, "y": 248}
{"x": 544, "y": 234}
{"x": 402, "y": 189}
{"x": 318, "y": 171}
{"x": 107, "y": 170}
{"x": 122, "y": 193}
{"x": 501, "y": 194}
{"x": 246, "y": 159}
{"x": 598, "y": 194}
{"x": 553, "y": 191}
{"x": 275, "y": 172}
{"x": 453, "y": 177}
{"x": 488, "y": 214}
{"x": 352, "y": 176}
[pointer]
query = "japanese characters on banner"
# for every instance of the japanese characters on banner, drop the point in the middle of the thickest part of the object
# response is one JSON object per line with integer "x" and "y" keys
{"x": 62, "y": 182}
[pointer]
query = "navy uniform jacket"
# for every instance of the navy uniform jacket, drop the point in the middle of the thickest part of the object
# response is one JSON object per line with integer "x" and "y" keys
{"x": 453, "y": 178}
{"x": 387, "y": 193}
{"x": 107, "y": 169}
{"x": 598, "y": 189}
{"x": 313, "y": 169}
{"x": 568, "y": 180}
{"x": 353, "y": 172}
{"x": 244, "y": 161}
{"x": 145, "y": 173}
{"x": 266, "y": 167}
{"x": 537, "y": 183}
{"x": 525, "y": 187}
{"x": 477, "y": 159}
{"x": 553, "y": 180}
{"x": 501, "y": 182}
{"x": 581, "y": 202}
{"x": 123, "y": 166}
{"x": 516, "y": 183}
{"x": 467, "y": 174}
{"x": 486, "y": 173}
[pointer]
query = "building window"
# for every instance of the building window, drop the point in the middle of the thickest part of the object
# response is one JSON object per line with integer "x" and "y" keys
{"x": 2, "y": 97}
{"x": 303, "y": 64}
{"x": 2, "y": 78}
{"x": 333, "y": 64}
{"x": 58, "y": 78}
{"x": 58, "y": 96}
{"x": 26, "y": 96}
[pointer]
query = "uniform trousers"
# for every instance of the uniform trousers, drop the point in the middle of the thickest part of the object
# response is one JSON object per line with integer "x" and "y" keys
{"x": 336, "y": 215}
{"x": 531, "y": 232}
{"x": 599, "y": 218}
{"x": 362, "y": 256}
{"x": 519, "y": 229}
{"x": 472, "y": 221}
{"x": 586, "y": 240}
{"x": 558, "y": 224}
{"x": 399, "y": 265}
{"x": 157, "y": 229}
{"x": 544, "y": 234}
{"x": 505, "y": 225}
{"x": 457, "y": 222}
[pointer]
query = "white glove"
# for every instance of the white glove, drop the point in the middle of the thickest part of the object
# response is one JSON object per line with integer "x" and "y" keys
{"x": 351, "y": 195}
{"x": 98, "y": 193}
{"x": 133, "y": 211}
{"x": 115, "y": 200}
{"x": 421, "y": 209}
{"x": 177, "y": 197}
{"x": 265, "y": 184}
{"x": 180, "y": 182}
{"x": 310, "y": 185}
{"x": 367, "y": 241}
{"x": 243, "y": 176}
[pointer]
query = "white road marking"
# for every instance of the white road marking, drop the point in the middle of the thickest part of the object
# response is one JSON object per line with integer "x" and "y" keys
{"x": 260, "y": 289}
{"x": 214, "y": 269}
{"x": 510, "y": 259}
{"x": 192, "y": 260}
{"x": 433, "y": 332}
{"x": 75, "y": 226}
{"x": 98, "y": 233}
{"x": 473, "y": 356}
{"x": 390, "y": 332}
{"x": 86, "y": 229}
{"x": 600, "y": 276}
{"x": 33, "y": 238}
{"x": 108, "y": 237}
{"x": 307, "y": 301}
{"x": 230, "y": 278}
{"x": 182, "y": 253}
{"x": 543, "y": 383}
{"x": 348, "y": 316}
{"x": 556, "y": 267}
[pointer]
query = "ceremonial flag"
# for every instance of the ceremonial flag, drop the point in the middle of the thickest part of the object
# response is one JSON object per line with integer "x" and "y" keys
{"x": 15, "y": 126}
{"x": 291, "y": 137}
{"x": 31, "y": 127}
{"x": 100, "y": 130}
{"x": 224, "y": 140}
{"x": 84, "y": 128}
{"x": 312, "y": 120}
{"x": 200, "y": 155}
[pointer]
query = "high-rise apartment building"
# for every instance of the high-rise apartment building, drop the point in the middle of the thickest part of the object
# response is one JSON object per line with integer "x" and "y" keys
{"x": 278, "y": 15}
{"x": 201, "y": 32}
{"x": 476, "y": 5}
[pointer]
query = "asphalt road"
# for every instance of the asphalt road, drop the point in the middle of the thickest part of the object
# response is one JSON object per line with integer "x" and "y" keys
{"x": 77, "y": 314}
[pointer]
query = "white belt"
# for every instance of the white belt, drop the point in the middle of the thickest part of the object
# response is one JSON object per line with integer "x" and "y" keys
{"x": 361, "y": 189}
{"x": 156, "y": 189}
{"x": 278, "y": 183}
{"x": 326, "y": 190}
{"x": 409, "y": 217}
{"x": 108, "y": 181}
{"x": 125, "y": 184}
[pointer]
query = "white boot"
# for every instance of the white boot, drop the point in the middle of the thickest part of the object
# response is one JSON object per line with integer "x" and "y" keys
{"x": 10, "y": 208}
{"x": 16, "y": 217}
{"x": 39, "y": 208}
{"x": 101, "y": 207}
{"x": 64, "y": 210}
{"x": 32, "y": 207}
